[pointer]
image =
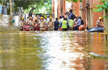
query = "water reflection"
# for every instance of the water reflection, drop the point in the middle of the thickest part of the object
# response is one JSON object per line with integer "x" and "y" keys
{"x": 50, "y": 50}
{"x": 98, "y": 47}
{"x": 63, "y": 51}
{"x": 19, "y": 53}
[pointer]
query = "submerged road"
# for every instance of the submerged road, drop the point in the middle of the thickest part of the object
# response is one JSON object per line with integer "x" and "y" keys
{"x": 51, "y": 50}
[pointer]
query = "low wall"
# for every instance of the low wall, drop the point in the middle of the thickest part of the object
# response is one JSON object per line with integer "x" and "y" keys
{"x": 17, "y": 20}
{"x": 4, "y": 20}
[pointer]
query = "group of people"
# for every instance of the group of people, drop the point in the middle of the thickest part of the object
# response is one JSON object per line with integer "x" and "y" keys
{"x": 37, "y": 22}
{"x": 70, "y": 22}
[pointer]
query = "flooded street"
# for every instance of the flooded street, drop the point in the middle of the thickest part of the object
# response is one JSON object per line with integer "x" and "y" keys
{"x": 51, "y": 50}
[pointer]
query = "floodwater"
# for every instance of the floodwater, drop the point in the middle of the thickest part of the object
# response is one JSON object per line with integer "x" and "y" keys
{"x": 51, "y": 50}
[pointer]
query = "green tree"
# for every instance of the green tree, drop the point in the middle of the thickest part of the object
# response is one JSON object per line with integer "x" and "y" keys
{"x": 74, "y": 0}
{"x": 102, "y": 7}
{"x": 29, "y": 4}
{"x": 37, "y": 7}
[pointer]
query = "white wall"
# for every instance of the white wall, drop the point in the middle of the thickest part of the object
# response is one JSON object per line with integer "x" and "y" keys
{"x": 17, "y": 20}
{"x": 4, "y": 20}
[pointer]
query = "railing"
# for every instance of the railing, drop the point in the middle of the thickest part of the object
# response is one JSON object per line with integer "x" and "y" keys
{"x": 99, "y": 37}
{"x": 103, "y": 34}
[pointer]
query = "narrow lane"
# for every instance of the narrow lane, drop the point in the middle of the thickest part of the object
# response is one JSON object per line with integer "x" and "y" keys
{"x": 50, "y": 50}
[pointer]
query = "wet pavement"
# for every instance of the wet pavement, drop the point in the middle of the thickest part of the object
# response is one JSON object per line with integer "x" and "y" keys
{"x": 51, "y": 50}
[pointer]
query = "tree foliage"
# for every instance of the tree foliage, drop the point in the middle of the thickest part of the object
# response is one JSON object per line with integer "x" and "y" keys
{"x": 26, "y": 3}
{"x": 74, "y": 0}
{"x": 36, "y": 7}
{"x": 102, "y": 7}
{"x": 30, "y": 5}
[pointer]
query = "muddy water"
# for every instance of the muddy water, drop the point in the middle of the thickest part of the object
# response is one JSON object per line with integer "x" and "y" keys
{"x": 51, "y": 50}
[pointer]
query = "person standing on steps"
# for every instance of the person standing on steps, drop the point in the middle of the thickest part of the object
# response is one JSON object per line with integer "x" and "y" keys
{"x": 71, "y": 16}
{"x": 31, "y": 24}
{"x": 62, "y": 17}
{"x": 64, "y": 25}
{"x": 42, "y": 24}
{"x": 22, "y": 23}
{"x": 77, "y": 24}
{"x": 71, "y": 23}
{"x": 60, "y": 20}
{"x": 56, "y": 24}
{"x": 50, "y": 24}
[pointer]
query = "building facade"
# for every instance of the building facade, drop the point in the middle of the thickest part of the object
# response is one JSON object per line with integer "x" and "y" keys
{"x": 83, "y": 9}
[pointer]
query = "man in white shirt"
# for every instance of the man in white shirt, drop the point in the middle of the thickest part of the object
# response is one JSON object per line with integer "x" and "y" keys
{"x": 61, "y": 19}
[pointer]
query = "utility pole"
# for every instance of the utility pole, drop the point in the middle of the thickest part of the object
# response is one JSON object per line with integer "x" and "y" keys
{"x": 10, "y": 9}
